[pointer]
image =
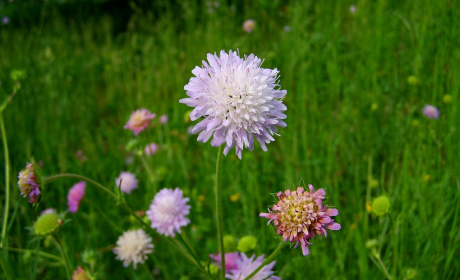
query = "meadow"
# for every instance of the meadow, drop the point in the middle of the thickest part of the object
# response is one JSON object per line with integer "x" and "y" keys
{"x": 358, "y": 76}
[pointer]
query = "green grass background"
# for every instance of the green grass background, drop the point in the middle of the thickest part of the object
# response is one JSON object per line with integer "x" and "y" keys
{"x": 84, "y": 80}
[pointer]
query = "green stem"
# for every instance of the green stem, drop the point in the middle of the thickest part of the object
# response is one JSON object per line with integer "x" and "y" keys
{"x": 59, "y": 176}
{"x": 40, "y": 253}
{"x": 64, "y": 256}
{"x": 147, "y": 168}
{"x": 220, "y": 236}
{"x": 382, "y": 265}
{"x": 267, "y": 260}
{"x": 114, "y": 225}
{"x": 7, "y": 181}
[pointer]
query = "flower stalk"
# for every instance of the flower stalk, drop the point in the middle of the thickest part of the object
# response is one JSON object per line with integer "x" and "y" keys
{"x": 220, "y": 236}
{"x": 7, "y": 181}
{"x": 64, "y": 256}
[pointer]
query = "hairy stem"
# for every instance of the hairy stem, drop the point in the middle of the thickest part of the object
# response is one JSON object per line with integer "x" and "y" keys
{"x": 7, "y": 181}
{"x": 220, "y": 236}
{"x": 64, "y": 256}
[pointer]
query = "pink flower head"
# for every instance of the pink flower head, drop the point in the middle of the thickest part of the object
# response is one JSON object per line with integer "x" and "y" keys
{"x": 238, "y": 100}
{"x": 431, "y": 112}
{"x": 151, "y": 149}
{"x": 128, "y": 182}
{"x": 299, "y": 216}
{"x": 249, "y": 25}
{"x": 168, "y": 210}
{"x": 28, "y": 183}
{"x": 163, "y": 119}
{"x": 139, "y": 120}
{"x": 352, "y": 9}
{"x": 76, "y": 194}
{"x": 245, "y": 266}
{"x": 80, "y": 274}
{"x": 230, "y": 260}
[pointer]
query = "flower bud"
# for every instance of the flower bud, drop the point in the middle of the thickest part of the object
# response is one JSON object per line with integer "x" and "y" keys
{"x": 247, "y": 243}
{"x": 47, "y": 223}
{"x": 381, "y": 205}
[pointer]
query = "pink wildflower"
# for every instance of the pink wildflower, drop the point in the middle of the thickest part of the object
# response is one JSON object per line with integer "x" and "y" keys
{"x": 245, "y": 266}
{"x": 249, "y": 25}
{"x": 352, "y": 9}
{"x": 76, "y": 194}
{"x": 48, "y": 211}
{"x": 299, "y": 216}
{"x": 168, "y": 210}
{"x": 127, "y": 182}
{"x": 28, "y": 183}
{"x": 151, "y": 149}
{"x": 230, "y": 260}
{"x": 80, "y": 274}
{"x": 431, "y": 112}
{"x": 139, "y": 120}
{"x": 163, "y": 119}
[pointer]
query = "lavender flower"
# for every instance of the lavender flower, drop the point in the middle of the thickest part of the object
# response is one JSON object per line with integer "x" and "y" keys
{"x": 245, "y": 266}
{"x": 352, "y": 9}
{"x": 163, "y": 119}
{"x": 151, "y": 149}
{"x": 5, "y": 20}
{"x": 139, "y": 120}
{"x": 28, "y": 183}
{"x": 168, "y": 210}
{"x": 299, "y": 216}
{"x": 230, "y": 260}
{"x": 76, "y": 194}
{"x": 431, "y": 112}
{"x": 128, "y": 182}
{"x": 48, "y": 211}
{"x": 238, "y": 99}
{"x": 133, "y": 246}
{"x": 249, "y": 25}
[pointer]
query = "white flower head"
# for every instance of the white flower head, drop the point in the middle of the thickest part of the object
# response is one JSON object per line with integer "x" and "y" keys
{"x": 238, "y": 99}
{"x": 133, "y": 246}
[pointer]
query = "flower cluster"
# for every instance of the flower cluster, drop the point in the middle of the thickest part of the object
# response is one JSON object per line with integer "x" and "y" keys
{"x": 299, "y": 216}
{"x": 238, "y": 99}
{"x": 168, "y": 210}
{"x": 28, "y": 183}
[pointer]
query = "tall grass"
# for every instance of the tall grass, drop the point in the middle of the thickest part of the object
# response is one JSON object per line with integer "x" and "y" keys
{"x": 352, "y": 118}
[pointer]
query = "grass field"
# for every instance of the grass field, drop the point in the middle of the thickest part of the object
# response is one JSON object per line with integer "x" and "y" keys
{"x": 356, "y": 87}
